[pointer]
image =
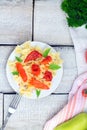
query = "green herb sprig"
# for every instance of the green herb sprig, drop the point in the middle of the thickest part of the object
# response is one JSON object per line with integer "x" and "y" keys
{"x": 18, "y": 59}
{"x": 15, "y": 73}
{"x": 54, "y": 66}
{"x": 46, "y": 52}
{"x": 76, "y": 11}
{"x": 38, "y": 92}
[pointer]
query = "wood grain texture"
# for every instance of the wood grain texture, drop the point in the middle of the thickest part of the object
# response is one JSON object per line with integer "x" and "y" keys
{"x": 50, "y": 23}
{"x": 14, "y": 2}
{"x": 70, "y": 69}
{"x": 15, "y": 21}
{"x": 4, "y": 52}
{"x": 1, "y": 109}
{"x": 32, "y": 114}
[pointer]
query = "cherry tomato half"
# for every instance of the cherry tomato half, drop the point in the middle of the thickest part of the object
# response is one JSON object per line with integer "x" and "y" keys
{"x": 84, "y": 92}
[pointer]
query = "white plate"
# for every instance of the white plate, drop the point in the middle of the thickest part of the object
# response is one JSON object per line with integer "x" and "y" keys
{"x": 55, "y": 81}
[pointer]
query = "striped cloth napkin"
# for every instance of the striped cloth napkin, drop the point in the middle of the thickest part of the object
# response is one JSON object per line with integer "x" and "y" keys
{"x": 76, "y": 101}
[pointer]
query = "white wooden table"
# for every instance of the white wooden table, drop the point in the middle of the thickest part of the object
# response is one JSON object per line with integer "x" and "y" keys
{"x": 39, "y": 20}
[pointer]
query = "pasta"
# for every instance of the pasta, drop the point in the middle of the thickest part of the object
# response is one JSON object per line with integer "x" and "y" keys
{"x": 32, "y": 70}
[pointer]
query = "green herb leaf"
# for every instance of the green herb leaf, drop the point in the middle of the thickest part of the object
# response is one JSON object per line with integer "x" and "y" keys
{"x": 46, "y": 52}
{"x": 76, "y": 11}
{"x": 38, "y": 92}
{"x": 86, "y": 26}
{"x": 54, "y": 66}
{"x": 15, "y": 73}
{"x": 18, "y": 59}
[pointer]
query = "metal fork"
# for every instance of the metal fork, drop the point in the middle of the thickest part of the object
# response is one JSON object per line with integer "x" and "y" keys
{"x": 12, "y": 108}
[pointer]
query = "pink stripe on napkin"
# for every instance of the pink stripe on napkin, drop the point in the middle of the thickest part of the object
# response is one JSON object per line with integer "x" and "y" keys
{"x": 75, "y": 105}
{"x": 82, "y": 79}
{"x": 76, "y": 102}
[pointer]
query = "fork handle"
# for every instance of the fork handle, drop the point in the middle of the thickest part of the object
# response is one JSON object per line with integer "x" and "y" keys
{"x": 6, "y": 120}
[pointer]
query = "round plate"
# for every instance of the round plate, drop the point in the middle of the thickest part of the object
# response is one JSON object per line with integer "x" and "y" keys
{"x": 55, "y": 81}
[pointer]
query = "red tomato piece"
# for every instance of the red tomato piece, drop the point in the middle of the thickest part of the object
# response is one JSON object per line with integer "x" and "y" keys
{"x": 35, "y": 69}
{"x": 84, "y": 92}
{"x": 86, "y": 56}
{"x": 37, "y": 84}
{"x": 48, "y": 76}
{"x": 21, "y": 71}
{"x": 46, "y": 60}
{"x": 33, "y": 56}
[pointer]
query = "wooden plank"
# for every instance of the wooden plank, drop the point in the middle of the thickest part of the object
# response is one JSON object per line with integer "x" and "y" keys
{"x": 1, "y": 109}
{"x": 50, "y": 23}
{"x": 32, "y": 114}
{"x": 13, "y": 2}
{"x": 70, "y": 69}
{"x": 15, "y": 21}
{"x": 4, "y": 85}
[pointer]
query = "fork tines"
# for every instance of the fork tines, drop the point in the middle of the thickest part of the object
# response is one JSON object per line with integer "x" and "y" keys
{"x": 15, "y": 101}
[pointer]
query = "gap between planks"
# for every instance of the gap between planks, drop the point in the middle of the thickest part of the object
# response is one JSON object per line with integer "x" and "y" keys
{"x": 56, "y": 45}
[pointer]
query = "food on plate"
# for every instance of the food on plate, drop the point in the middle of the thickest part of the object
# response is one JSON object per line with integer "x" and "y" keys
{"x": 79, "y": 122}
{"x": 34, "y": 68}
